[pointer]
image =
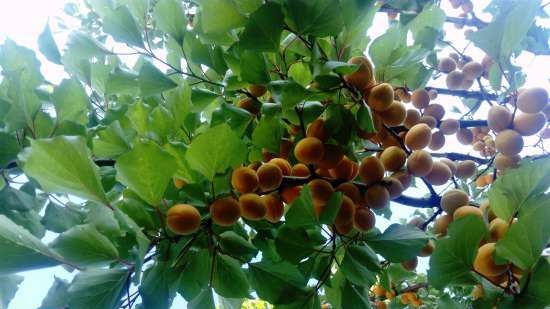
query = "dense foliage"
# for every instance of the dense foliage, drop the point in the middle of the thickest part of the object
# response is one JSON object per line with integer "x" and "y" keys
{"x": 236, "y": 151}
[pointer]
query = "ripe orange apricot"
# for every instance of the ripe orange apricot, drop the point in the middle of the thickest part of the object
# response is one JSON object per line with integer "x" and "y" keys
{"x": 309, "y": 150}
{"x": 420, "y": 98}
{"x": 467, "y": 210}
{"x": 435, "y": 110}
{"x": 364, "y": 74}
{"x": 394, "y": 115}
{"x": 257, "y": 90}
{"x": 485, "y": 207}
{"x": 427, "y": 250}
{"x": 529, "y": 124}
{"x": 364, "y": 219}
{"x": 449, "y": 126}
{"x": 420, "y": 163}
{"x": 484, "y": 262}
{"x": 438, "y": 141}
{"x": 428, "y": 120}
{"x": 378, "y": 290}
{"x": 274, "y": 207}
{"x": 283, "y": 165}
{"x": 450, "y": 164}
{"x": 454, "y": 80}
{"x": 498, "y": 228}
{"x": 244, "y": 179}
{"x": 393, "y": 158}
{"x": 332, "y": 156}
{"x": 350, "y": 190}
{"x": 178, "y": 182}
{"x": 453, "y": 199}
{"x": 394, "y": 187}
{"x": 225, "y": 211}
{"x": 377, "y": 196}
{"x": 371, "y": 170}
{"x": 381, "y": 97}
{"x": 321, "y": 190}
{"x": 317, "y": 129}
{"x": 300, "y": 170}
{"x": 446, "y": 65}
{"x": 344, "y": 229}
{"x": 252, "y": 206}
{"x": 472, "y": 70}
{"x": 465, "y": 169}
{"x": 183, "y": 219}
{"x": 346, "y": 169}
{"x": 346, "y": 212}
{"x": 412, "y": 117}
{"x": 289, "y": 194}
{"x": 418, "y": 137}
{"x": 251, "y": 105}
{"x": 465, "y": 136}
{"x": 285, "y": 147}
{"x": 439, "y": 175}
{"x": 509, "y": 142}
{"x": 499, "y": 118}
{"x": 411, "y": 264}
{"x": 441, "y": 224}
{"x": 270, "y": 176}
{"x": 404, "y": 178}
{"x": 503, "y": 162}
{"x": 532, "y": 100}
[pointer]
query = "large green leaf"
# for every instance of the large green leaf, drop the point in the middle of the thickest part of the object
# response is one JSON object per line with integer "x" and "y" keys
{"x": 84, "y": 245}
{"x": 216, "y": 150}
{"x": 287, "y": 92}
{"x": 355, "y": 297}
{"x": 399, "y": 242}
{"x": 381, "y": 48}
{"x": 294, "y": 244}
{"x": 63, "y": 164}
{"x": 268, "y": 134}
{"x": 156, "y": 288}
{"x": 359, "y": 265}
{"x": 59, "y": 219}
{"x": 229, "y": 279}
{"x": 319, "y": 18}
{"x": 264, "y": 28}
{"x": 152, "y": 81}
{"x": 58, "y": 295}
{"x": 9, "y": 148}
{"x": 254, "y": 68}
{"x": 300, "y": 213}
{"x": 47, "y": 46}
{"x": 453, "y": 257}
{"x": 9, "y": 284}
{"x": 220, "y": 16}
{"x": 146, "y": 169}
{"x": 71, "y": 102}
{"x": 515, "y": 186}
{"x": 97, "y": 289}
{"x": 204, "y": 300}
{"x": 22, "y": 251}
{"x": 286, "y": 283}
{"x": 525, "y": 240}
{"x": 121, "y": 25}
{"x": 170, "y": 18}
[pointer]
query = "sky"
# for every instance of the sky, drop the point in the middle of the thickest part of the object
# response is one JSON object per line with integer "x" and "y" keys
{"x": 23, "y": 20}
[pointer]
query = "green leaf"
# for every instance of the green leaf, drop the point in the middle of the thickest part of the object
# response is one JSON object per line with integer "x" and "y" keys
{"x": 399, "y": 243}
{"x": 121, "y": 25}
{"x": 197, "y": 274}
{"x": 152, "y": 81}
{"x": 170, "y": 17}
{"x": 268, "y": 134}
{"x": 381, "y": 48}
{"x": 453, "y": 257}
{"x": 263, "y": 29}
{"x": 319, "y": 18}
{"x": 254, "y": 68}
{"x": 97, "y": 289}
{"x": 448, "y": 303}
{"x": 9, "y": 284}
{"x": 22, "y": 251}
{"x": 300, "y": 73}
{"x": 63, "y": 165}
{"x": 84, "y": 245}
{"x": 230, "y": 303}
{"x": 59, "y": 219}
{"x": 354, "y": 297}
{"x": 229, "y": 279}
{"x": 216, "y": 150}
{"x": 121, "y": 82}
{"x": 300, "y": 212}
{"x": 146, "y": 169}
{"x": 331, "y": 209}
{"x": 83, "y": 45}
{"x": 9, "y": 148}
{"x": 287, "y": 92}
{"x": 364, "y": 119}
{"x": 293, "y": 244}
{"x": 213, "y": 22}
{"x": 515, "y": 186}
{"x": 47, "y": 46}
{"x": 204, "y": 300}
{"x": 432, "y": 16}
{"x": 156, "y": 287}
{"x": 201, "y": 98}
{"x": 527, "y": 238}
{"x": 235, "y": 245}
{"x": 359, "y": 265}
{"x": 286, "y": 283}
{"x": 110, "y": 142}
{"x": 71, "y": 102}
{"x": 57, "y": 296}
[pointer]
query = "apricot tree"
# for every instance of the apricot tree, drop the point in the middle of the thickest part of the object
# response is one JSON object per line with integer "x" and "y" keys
{"x": 232, "y": 150}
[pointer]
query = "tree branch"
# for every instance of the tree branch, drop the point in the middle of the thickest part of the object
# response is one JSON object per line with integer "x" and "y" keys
{"x": 455, "y": 156}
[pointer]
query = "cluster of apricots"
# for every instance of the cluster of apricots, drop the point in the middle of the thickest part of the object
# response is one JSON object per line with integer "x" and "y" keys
{"x": 462, "y": 72}
{"x": 383, "y": 297}
{"x": 456, "y": 204}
